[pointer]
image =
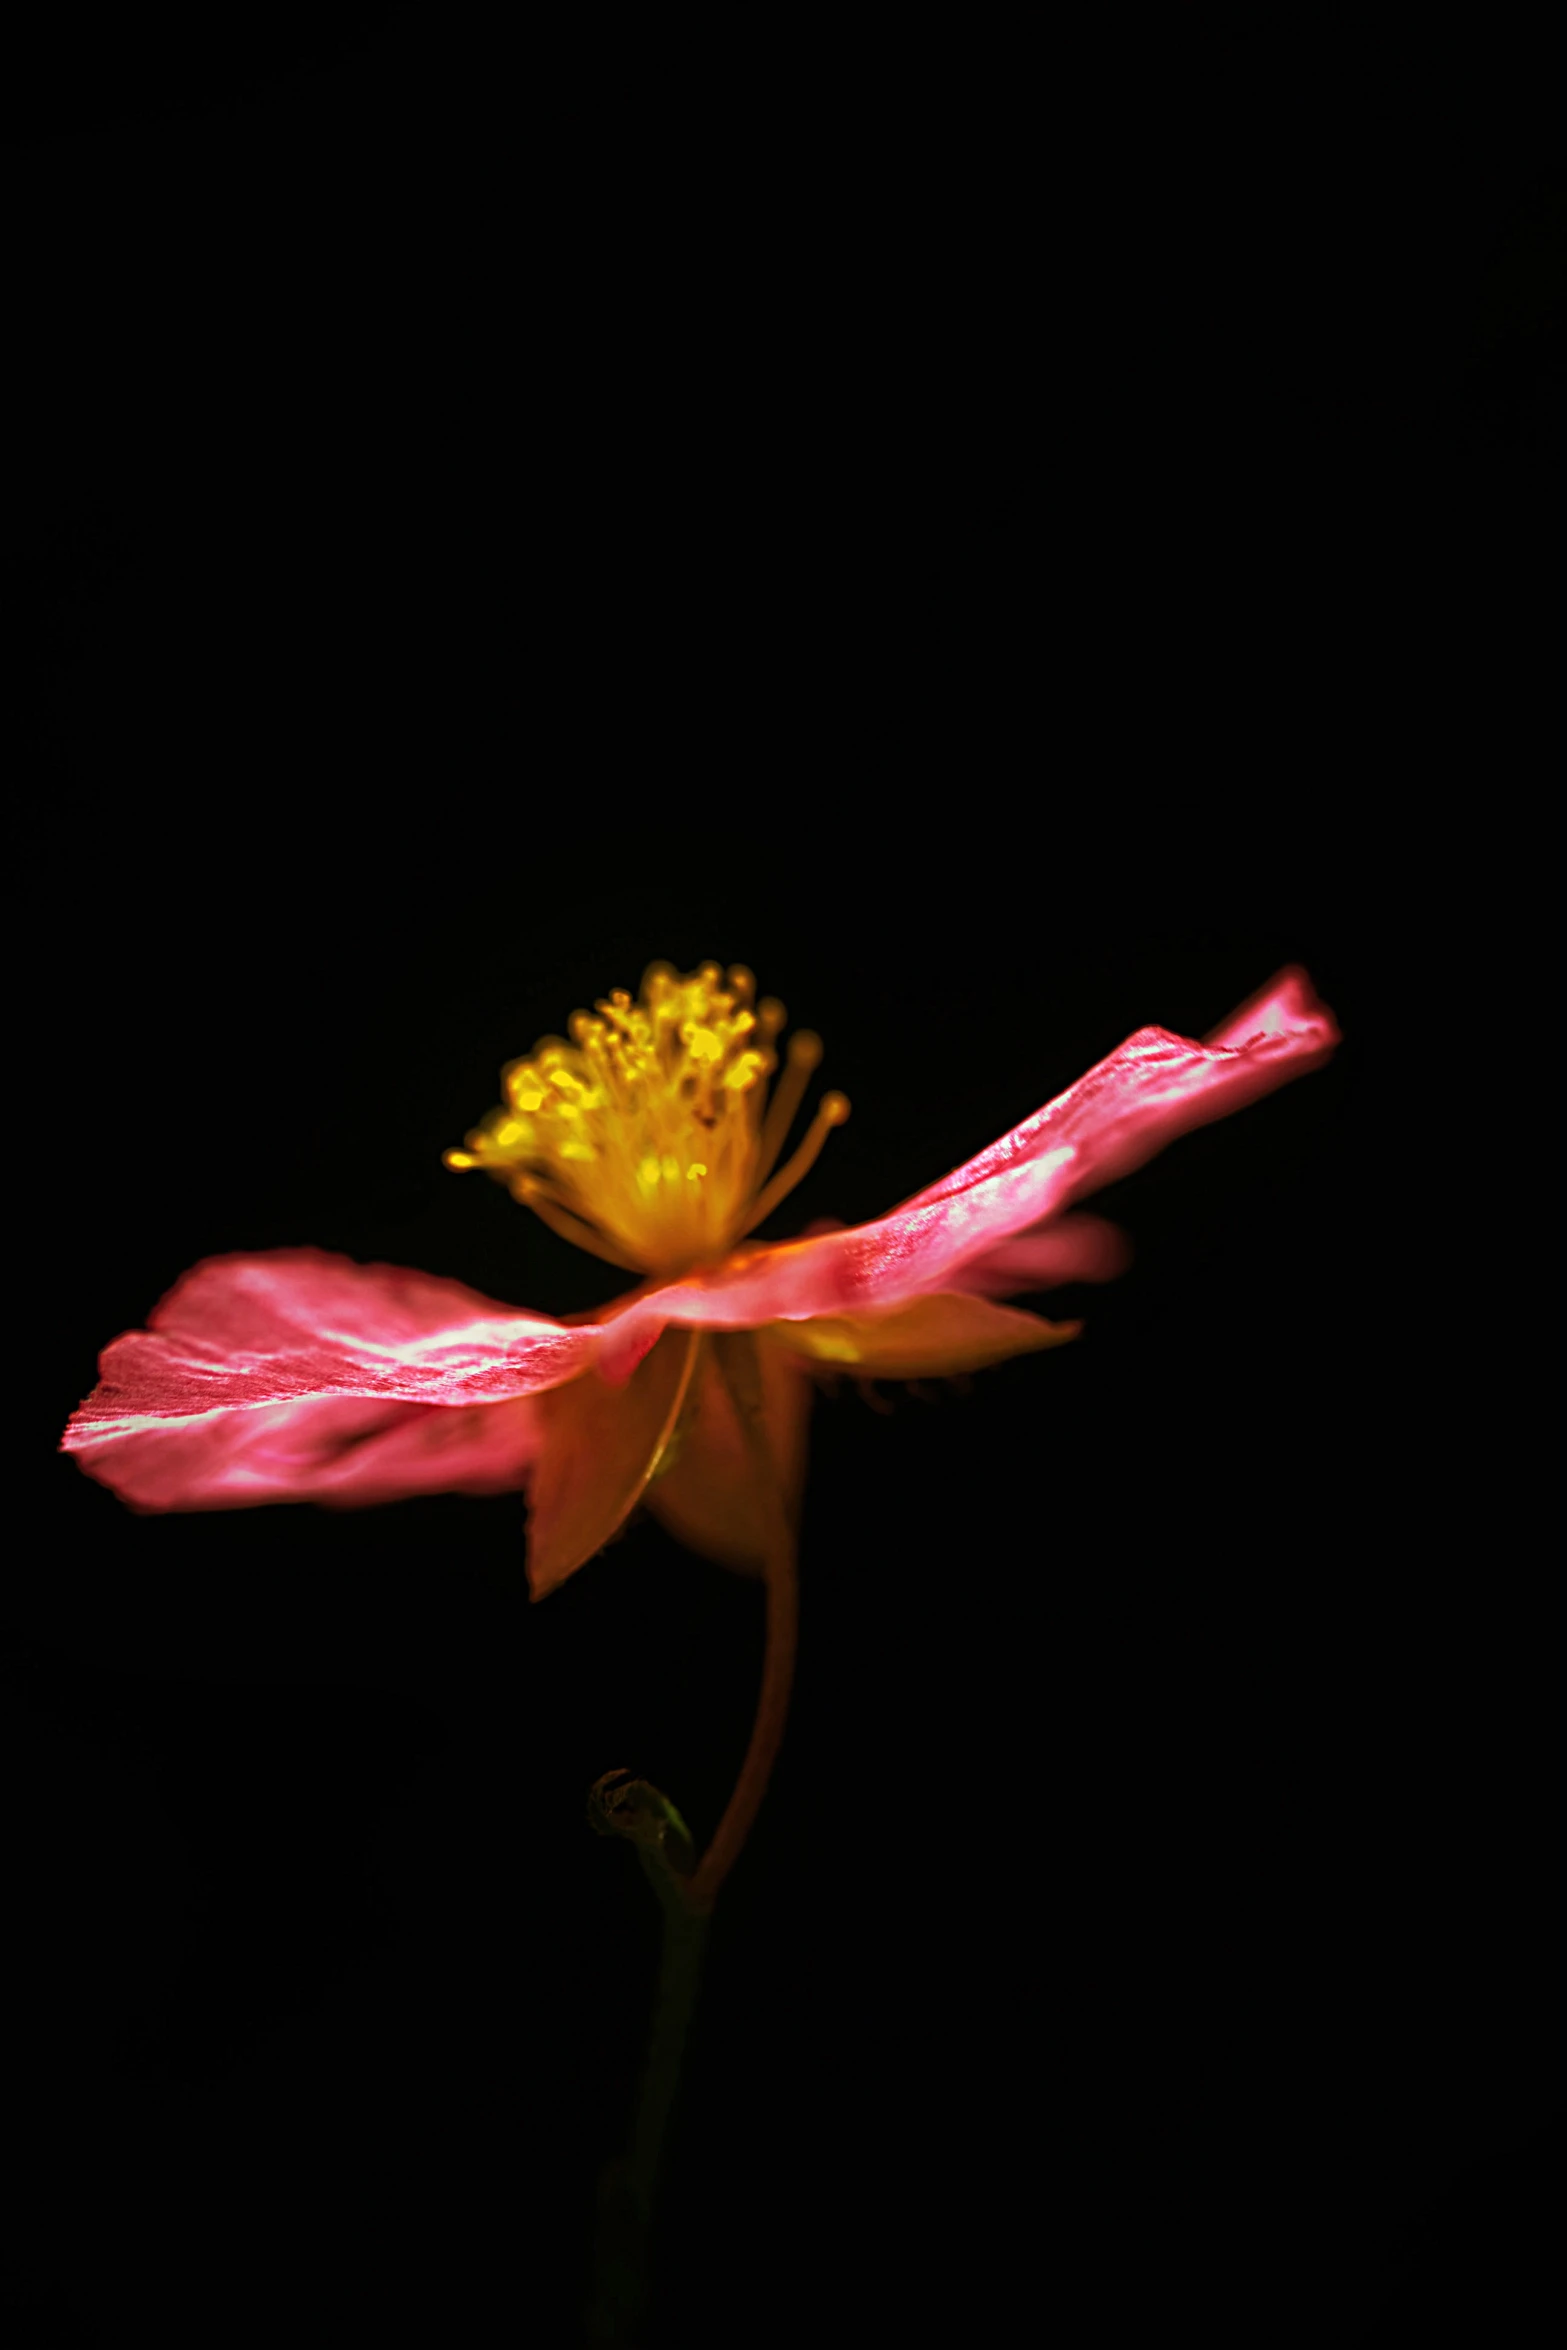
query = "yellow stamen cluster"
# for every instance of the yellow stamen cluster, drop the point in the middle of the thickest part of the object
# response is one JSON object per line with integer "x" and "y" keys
{"x": 648, "y": 1139}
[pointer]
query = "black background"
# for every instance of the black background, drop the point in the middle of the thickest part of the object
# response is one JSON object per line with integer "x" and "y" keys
{"x": 968, "y": 537}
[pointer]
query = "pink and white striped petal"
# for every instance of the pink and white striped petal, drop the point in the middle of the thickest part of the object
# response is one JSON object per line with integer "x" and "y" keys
{"x": 296, "y": 1374}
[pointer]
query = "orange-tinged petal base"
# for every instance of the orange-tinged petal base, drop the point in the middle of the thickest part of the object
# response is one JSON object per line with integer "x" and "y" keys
{"x": 600, "y": 1445}
{"x": 711, "y": 1496}
{"x": 932, "y": 1336}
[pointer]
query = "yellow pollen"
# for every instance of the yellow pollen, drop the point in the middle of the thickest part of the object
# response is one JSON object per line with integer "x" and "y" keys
{"x": 648, "y": 1138}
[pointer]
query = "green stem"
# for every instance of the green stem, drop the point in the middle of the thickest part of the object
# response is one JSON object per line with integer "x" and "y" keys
{"x": 628, "y": 2186}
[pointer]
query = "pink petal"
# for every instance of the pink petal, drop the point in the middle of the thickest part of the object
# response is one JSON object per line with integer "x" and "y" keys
{"x": 1078, "y": 1247}
{"x": 1157, "y": 1086}
{"x": 1284, "y": 1004}
{"x": 299, "y": 1375}
{"x": 1151, "y": 1089}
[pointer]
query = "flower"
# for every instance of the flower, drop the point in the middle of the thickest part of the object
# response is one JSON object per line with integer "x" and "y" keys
{"x": 649, "y": 1139}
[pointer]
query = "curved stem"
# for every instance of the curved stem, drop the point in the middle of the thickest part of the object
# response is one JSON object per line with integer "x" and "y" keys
{"x": 781, "y": 1637}
{"x": 772, "y": 1711}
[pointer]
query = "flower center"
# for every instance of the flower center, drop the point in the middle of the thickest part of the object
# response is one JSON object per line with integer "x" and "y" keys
{"x": 649, "y": 1138}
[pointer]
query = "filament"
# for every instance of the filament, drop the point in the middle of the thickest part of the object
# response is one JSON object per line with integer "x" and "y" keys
{"x": 549, "y": 1211}
{"x": 831, "y": 1112}
{"x": 805, "y": 1051}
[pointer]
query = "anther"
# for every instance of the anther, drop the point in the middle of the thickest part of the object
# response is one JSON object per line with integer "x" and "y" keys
{"x": 676, "y": 1081}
